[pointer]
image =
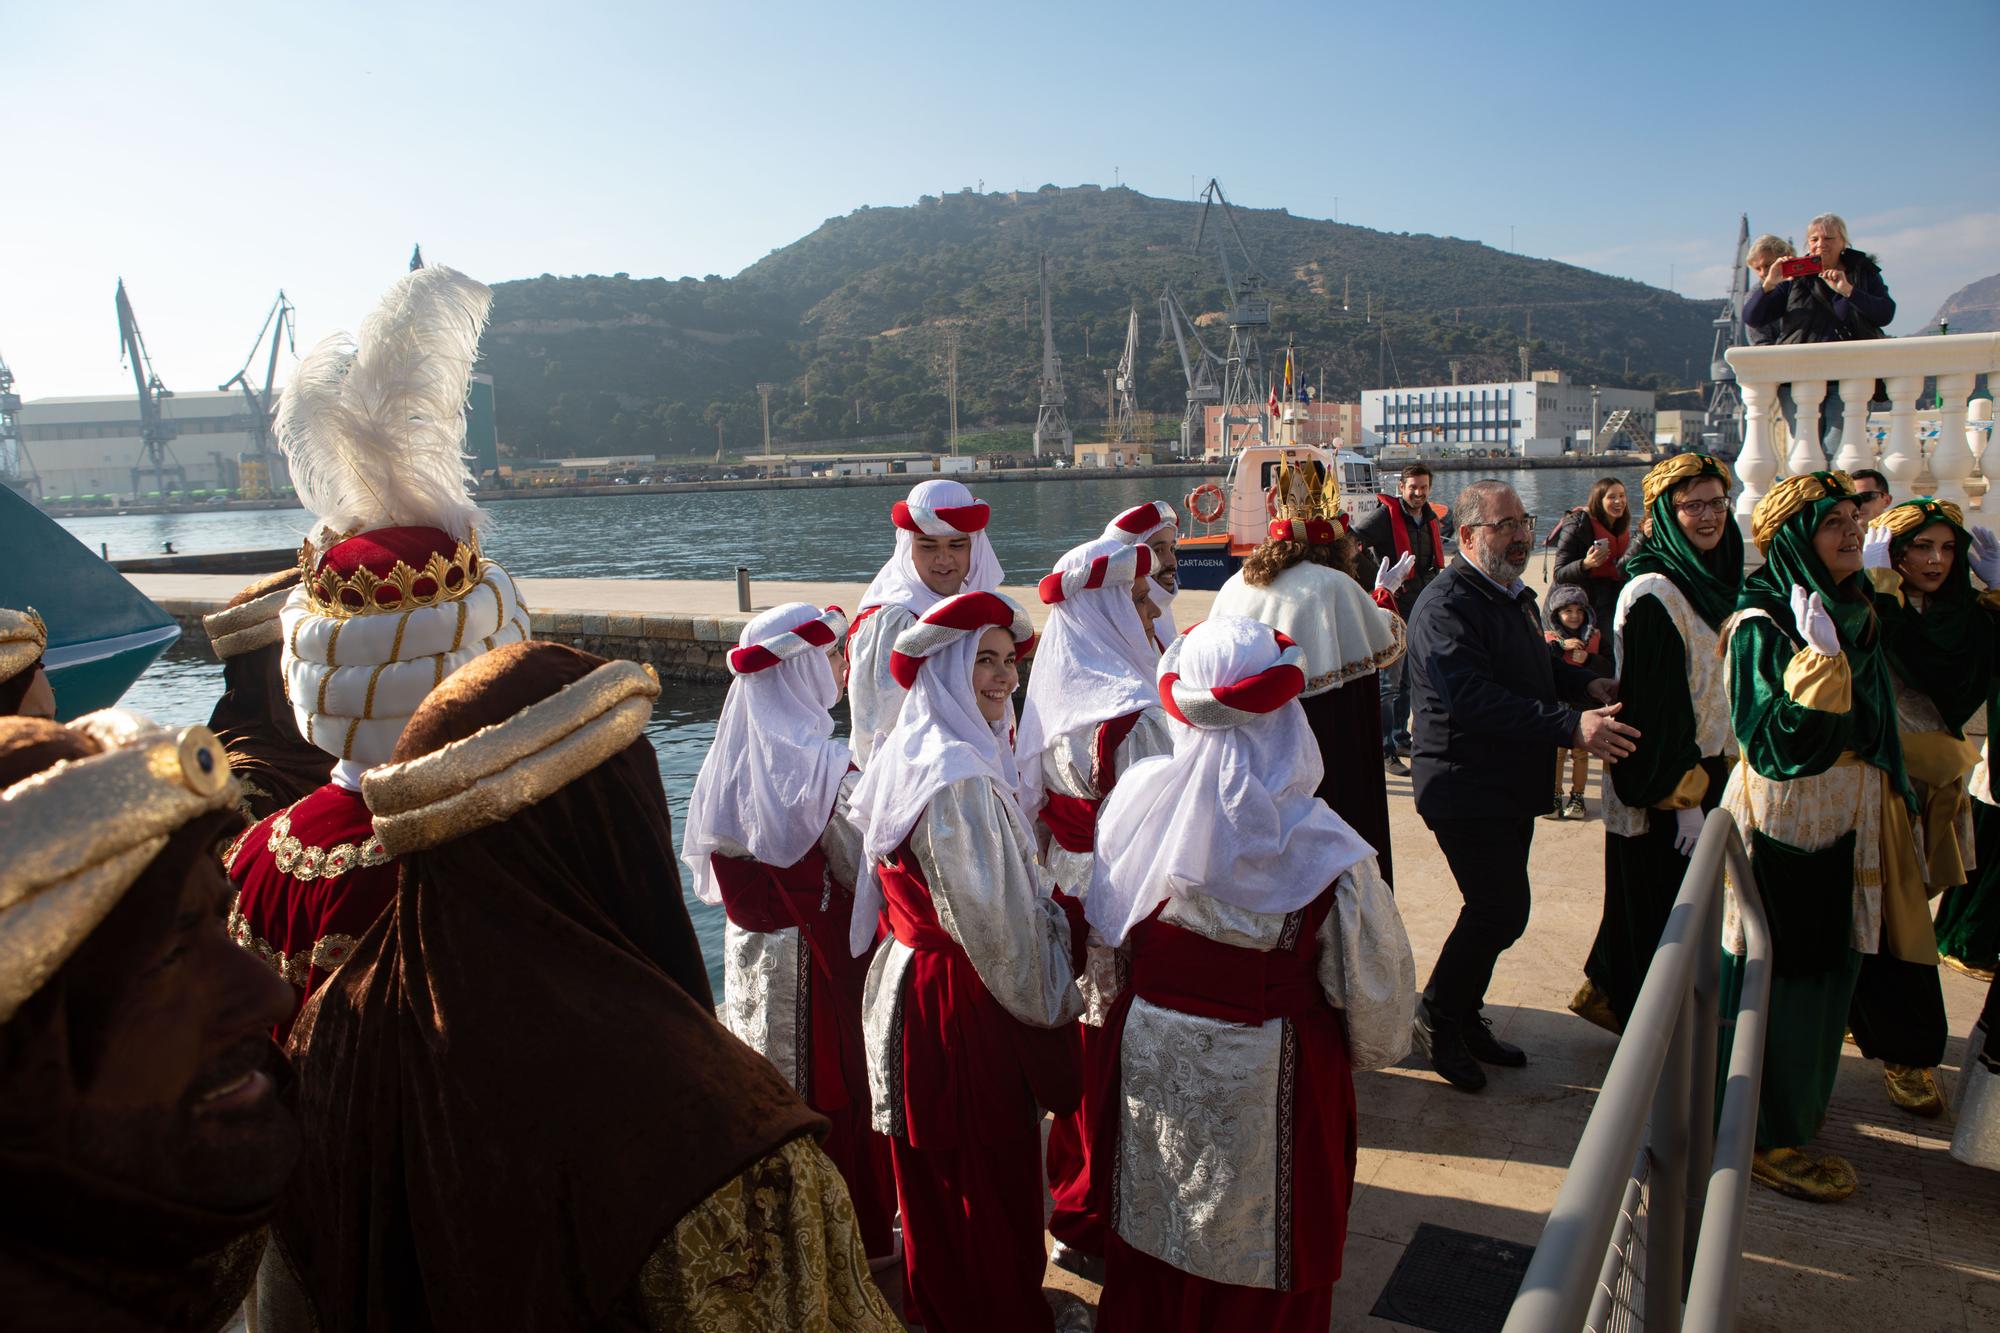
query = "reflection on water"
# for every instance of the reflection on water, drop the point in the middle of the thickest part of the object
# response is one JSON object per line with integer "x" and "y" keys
{"x": 836, "y": 534}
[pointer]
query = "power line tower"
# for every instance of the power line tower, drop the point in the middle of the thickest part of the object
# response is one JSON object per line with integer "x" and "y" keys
{"x": 1724, "y": 417}
{"x": 1127, "y": 383}
{"x": 1052, "y": 421}
{"x": 156, "y": 433}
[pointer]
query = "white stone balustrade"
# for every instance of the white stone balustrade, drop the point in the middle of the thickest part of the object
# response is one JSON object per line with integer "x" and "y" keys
{"x": 1955, "y": 361}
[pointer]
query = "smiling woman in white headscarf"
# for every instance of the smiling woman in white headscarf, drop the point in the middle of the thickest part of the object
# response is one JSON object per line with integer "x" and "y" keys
{"x": 941, "y": 551}
{"x": 1267, "y": 963}
{"x": 768, "y": 840}
{"x": 1092, "y": 712}
{"x": 969, "y": 1007}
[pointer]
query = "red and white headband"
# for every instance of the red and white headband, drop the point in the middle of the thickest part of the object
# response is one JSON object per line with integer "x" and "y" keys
{"x": 1128, "y": 565}
{"x": 1232, "y": 703}
{"x": 821, "y": 632}
{"x": 951, "y": 620}
{"x": 1311, "y": 531}
{"x": 949, "y": 521}
{"x": 1140, "y": 522}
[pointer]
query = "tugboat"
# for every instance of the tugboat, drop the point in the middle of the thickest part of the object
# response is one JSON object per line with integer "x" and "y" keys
{"x": 1229, "y": 521}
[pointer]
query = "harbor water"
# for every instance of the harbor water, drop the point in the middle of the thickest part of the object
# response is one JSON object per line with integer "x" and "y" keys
{"x": 832, "y": 535}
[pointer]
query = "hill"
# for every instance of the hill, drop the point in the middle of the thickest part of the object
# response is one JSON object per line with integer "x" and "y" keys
{"x": 850, "y": 322}
{"x": 1973, "y": 308}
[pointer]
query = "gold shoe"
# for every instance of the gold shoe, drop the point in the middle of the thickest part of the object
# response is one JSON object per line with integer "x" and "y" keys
{"x": 1960, "y": 965}
{"x": 1822, "y": 1178}
{"x": 1915, "y": 1090}
{"x": 1590, "y": 1005}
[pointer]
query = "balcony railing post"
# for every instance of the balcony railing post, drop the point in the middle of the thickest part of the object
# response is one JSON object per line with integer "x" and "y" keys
{"x": 1807, "y": 398}
{"x": 1857, "y": 443}
{"x": 1756, "y": 465}
{"x": 1701, "y": 1072}
{"x": 1951, "y": 461}
{"x": 1900, "y": 459}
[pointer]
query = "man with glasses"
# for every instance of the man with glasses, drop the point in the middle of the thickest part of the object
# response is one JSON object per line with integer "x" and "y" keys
{"x": 1491, "y": 705}
{"x": 1871, "y": 493}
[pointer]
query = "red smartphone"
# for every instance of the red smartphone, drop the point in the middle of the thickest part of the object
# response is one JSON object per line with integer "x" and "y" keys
{"x": 1799, "y": 268}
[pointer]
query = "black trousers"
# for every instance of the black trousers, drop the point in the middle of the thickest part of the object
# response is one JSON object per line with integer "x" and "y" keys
{"x": 1489, "y": 859}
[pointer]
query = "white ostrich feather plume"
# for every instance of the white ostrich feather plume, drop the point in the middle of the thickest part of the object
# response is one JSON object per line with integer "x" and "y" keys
{"x": 374, "y": 428}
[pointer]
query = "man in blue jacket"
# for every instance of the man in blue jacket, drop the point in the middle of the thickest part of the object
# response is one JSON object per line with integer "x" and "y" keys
{"x": 1491, "y": 706}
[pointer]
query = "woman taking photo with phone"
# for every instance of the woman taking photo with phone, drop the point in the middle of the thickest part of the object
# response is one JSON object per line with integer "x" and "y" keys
{"x": 1591, "y": 546}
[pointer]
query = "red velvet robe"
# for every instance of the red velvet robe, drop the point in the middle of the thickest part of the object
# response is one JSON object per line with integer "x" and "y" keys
{"x": 310, "y": 880}
{"x": 967, "y": 1150}
{"x": 757, "y": 896}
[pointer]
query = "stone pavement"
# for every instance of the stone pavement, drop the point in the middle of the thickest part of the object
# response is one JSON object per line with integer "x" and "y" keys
{"x": 1916, "y": 1248}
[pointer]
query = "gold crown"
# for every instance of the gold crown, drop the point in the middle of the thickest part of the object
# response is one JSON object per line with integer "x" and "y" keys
{"x": 23, "y": 637}
{"x": 1305, "y": 493}
{"x": 1903, "y": 520}
{"x": 365, "y": 593}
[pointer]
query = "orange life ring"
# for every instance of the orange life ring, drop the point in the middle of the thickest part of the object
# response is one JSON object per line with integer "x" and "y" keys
{"x": 1210, "y": 492}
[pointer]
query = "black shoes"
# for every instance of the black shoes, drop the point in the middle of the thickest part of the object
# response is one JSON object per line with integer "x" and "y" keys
{"x": 1489, "y": 1049}
{"x": 1392, "y": 763}
{"x": 1442, "y": 1040}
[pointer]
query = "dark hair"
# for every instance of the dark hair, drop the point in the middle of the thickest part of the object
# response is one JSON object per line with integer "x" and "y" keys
{"x": 1870, "y": 474}
{"x": 1415, "y": 470}
{"x": 1595, "y": 504}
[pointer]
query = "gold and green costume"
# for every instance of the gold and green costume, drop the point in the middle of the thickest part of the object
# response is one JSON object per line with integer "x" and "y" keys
{"x": 1666, "y": 630}
{"x": 1941, "y": 652}
{"x": 1824, "y": 805}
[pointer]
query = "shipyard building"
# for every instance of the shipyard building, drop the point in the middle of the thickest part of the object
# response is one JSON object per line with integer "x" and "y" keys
{"x": 1543, "y": 416}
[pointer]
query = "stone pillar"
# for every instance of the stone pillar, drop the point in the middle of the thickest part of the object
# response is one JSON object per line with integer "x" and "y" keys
{"x": 1901, "y": 461}
{"x": 1807, "y": 456}
{"x": 1857, "y": 445}
{"x": 1756, "y": 467}
{"x": 1951, "y": 461}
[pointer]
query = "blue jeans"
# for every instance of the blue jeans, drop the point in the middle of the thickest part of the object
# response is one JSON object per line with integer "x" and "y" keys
{"x": 1395, "y": 685}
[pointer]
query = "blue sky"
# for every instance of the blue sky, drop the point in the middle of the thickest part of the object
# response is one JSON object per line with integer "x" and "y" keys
{"x": 212, "y": 153}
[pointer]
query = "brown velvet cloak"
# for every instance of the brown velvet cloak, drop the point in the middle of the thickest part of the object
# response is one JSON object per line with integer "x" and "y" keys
{"x": 514, "y": 1089}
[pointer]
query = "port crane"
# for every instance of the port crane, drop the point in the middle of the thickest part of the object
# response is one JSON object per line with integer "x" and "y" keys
{"x": 17, "y": 470}
{"x": 1128, "y": 383}
{"x": 1052, "y": 419}
{"x": 156, "y": 433}
{"x": 254, "y": 468}
{"x": 1724, "y": 417}
{"x": 1201, "y": 370}
{"x": 1249, "y": 307}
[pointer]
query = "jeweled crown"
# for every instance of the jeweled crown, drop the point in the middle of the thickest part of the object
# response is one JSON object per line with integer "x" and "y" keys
{"x": 364, "y": 592}
{"x": 1305, "y": 492}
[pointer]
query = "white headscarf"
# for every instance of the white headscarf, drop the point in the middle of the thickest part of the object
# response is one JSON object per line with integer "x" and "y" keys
{"x": 1135, "y": 527}
{"x": 898, "y": 584}
{"x": 773, "y": 772}
{"x": 940, "y": 738}
{"x": 1231, "y": 812}
{"x": 1094, "y": 661}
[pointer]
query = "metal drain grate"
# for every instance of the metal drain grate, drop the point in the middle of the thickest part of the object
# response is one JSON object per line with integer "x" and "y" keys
{"x": 1454, "y": 1282}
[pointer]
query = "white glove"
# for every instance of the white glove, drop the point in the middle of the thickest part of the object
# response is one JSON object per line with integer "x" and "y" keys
{"x": 1815, "y": 625}
{"x": 1687, "y": 828}
{"x": 1875, "y": 549}
{"x": 1985, "y": 557}
{"x": 1391, "y": 577}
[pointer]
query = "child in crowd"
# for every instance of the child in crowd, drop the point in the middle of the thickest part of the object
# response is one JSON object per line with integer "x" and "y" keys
{"x": 1574, "y": 637}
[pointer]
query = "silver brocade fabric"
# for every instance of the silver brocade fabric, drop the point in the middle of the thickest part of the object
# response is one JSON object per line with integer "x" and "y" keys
{"x": 1206, "y": 1104}
{"x": 1069, "y": 767}
{"x": 874, "y": 699}
{"x": 992, "y": 897}
{"x": 767, "y": 988}
{"x": 1976, "y": 1141}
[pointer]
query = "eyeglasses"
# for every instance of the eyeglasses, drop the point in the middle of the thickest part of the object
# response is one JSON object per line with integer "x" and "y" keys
{"x": 1509, "y": 527}
{"x": 1696, "y": 508}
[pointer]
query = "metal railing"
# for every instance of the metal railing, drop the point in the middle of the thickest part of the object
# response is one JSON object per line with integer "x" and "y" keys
{"x": 1654, "y": 1124}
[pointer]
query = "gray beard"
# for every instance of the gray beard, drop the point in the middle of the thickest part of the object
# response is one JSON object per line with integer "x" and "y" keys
{"x": 1497, "y": 568}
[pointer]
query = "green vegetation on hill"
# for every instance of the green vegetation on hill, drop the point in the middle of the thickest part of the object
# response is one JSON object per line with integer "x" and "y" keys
{"x": 859, "y": 312}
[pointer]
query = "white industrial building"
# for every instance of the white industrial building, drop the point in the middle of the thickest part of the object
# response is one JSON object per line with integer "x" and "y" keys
{"x": 1545, "y": 415}
{"x": 90, "y": 446}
